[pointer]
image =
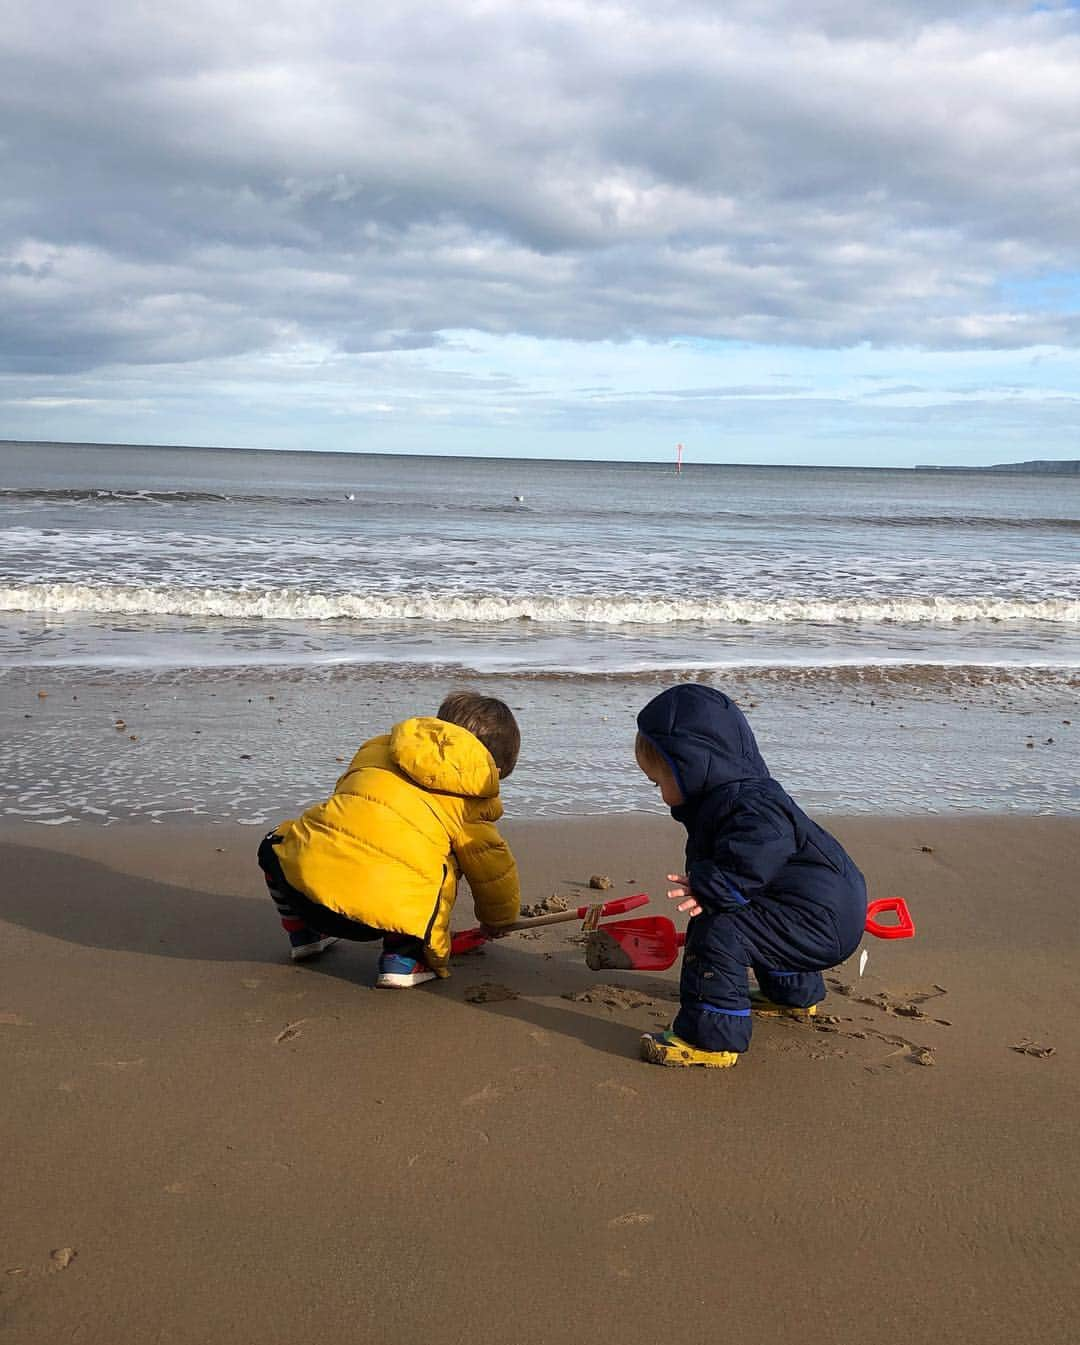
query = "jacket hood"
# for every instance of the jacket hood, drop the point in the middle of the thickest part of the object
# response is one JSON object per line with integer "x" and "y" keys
{"x": 444, "y": 757}
{"x": 703, "y": 736}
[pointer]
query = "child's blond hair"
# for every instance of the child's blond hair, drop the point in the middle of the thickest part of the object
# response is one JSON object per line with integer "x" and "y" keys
{"x": 489, "y": 719}
{"x": 649, "y": 757}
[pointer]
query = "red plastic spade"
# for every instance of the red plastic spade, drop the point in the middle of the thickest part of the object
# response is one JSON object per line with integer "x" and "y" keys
{"x": 652, "y": 942}
{"x": 468, "y": 939}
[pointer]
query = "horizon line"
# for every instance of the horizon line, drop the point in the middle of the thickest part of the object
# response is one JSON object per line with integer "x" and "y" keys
{"x": 492, "y": 457}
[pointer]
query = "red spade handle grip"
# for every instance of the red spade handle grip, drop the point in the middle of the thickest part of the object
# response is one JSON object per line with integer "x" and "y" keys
{"x": 904, "y": 927}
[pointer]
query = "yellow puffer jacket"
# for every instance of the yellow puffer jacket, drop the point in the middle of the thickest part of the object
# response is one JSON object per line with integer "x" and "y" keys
{"x": 414, "y": 811}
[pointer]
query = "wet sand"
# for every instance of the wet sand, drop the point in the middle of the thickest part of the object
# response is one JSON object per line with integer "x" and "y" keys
{"x": 246, "y": 745}
{"x": 204, "y": 1142}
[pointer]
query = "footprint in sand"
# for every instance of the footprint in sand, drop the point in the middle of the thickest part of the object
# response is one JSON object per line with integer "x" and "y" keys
{"x": 619, "y": 1089}
{"x": 632, "y": 1219}
{"x": 1029, "y": 1047}
{"x": 612, "y": 996}
{"x": 908, "y": 1005}
{"x": 623, "y": 1259}
{"x": 489, "y": 993}
{"x": 519, "y": 1078}
{"x": 489, "y": 1093}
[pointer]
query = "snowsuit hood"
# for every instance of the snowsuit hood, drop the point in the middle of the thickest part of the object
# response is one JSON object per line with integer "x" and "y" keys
{"x": 704, "y": 737}
{"x": 445, "y": 757}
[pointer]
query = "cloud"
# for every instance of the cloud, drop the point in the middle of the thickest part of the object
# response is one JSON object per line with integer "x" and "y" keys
{"x": 193, "y": 183}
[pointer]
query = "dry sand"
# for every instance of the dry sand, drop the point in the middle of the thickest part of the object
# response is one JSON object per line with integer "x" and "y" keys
{"x": 203, "y": 1142}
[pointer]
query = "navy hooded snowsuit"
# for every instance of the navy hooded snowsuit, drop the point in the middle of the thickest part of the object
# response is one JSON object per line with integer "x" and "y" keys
{"x": 777, "y": 892}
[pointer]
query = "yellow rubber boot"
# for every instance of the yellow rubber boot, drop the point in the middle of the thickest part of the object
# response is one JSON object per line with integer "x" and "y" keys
{"x": 664, "y": 1048}
{"x": 763, "y": 1005}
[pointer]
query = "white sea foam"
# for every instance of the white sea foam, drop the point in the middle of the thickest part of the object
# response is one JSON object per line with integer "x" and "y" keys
{"x": 292, "y": 604}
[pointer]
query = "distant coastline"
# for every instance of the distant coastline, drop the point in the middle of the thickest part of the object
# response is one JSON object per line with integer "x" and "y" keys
{"x": 1037, "y": 467}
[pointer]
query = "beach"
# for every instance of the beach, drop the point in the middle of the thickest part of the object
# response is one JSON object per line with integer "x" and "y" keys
{"x": 446, "y": 423}
{"x": 205, "y": 1142}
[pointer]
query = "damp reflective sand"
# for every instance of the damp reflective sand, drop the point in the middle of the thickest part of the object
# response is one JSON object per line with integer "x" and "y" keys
{"x": 255, "y": 746}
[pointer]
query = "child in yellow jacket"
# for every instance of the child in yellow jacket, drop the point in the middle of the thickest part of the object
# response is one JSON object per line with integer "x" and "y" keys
{"x": 381, "y": 858}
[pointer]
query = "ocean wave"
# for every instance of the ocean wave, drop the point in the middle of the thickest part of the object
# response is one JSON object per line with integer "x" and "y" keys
{"x": 746, "y": 681}
{"x": 89, "y": 495}
{"x": 332, "y": 498}
{"x": 895, "y": 675}
{"x": 338, "y": 496}
{"x": 447, "y": 608}
{"x": 988, "y": 522}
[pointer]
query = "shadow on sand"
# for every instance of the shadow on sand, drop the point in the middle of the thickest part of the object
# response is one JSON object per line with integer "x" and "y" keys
{"x": 81, "y": 901}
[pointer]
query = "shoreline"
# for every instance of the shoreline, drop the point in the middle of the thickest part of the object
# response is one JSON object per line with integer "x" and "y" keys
{"x": 254, "y": 747}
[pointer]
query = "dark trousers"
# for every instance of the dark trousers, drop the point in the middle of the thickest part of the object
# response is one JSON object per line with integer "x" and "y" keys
{"x": 298, "y": 912}
{"x": 788, "y": 948}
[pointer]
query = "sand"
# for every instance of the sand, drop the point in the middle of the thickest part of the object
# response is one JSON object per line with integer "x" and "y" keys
{"x": 204, "y": 1142}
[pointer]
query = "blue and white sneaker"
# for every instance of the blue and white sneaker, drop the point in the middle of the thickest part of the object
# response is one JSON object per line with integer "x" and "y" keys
{"x": 397, "y": 972}
{"x": 309, "y": 943}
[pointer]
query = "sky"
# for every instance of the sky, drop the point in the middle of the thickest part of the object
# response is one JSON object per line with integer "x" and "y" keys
{"x": 805, "y": 231}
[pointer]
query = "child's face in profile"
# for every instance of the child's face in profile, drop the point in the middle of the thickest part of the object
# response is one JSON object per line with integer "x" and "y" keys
{"x": 663, "y": 778}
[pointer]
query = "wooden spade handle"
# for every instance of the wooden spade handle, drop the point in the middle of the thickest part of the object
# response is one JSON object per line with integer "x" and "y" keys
{"x": 619, "y": 906}
{"x": 468, "y": 939}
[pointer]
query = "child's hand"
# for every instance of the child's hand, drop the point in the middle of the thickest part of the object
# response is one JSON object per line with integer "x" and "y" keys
{"x": 691, "y": 903}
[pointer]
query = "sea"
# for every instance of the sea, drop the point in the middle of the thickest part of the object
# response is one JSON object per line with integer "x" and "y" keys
{"x": 207, "y": 633}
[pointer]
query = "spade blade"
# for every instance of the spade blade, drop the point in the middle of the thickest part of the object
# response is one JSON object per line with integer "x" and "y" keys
{"x": 648, "y": 944}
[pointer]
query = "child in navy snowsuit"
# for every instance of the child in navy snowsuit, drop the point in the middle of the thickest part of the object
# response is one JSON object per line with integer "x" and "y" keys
{"x": 766, "y": 887}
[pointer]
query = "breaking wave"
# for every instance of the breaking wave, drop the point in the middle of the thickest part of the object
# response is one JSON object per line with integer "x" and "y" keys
{"x": 442, "y": 608}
